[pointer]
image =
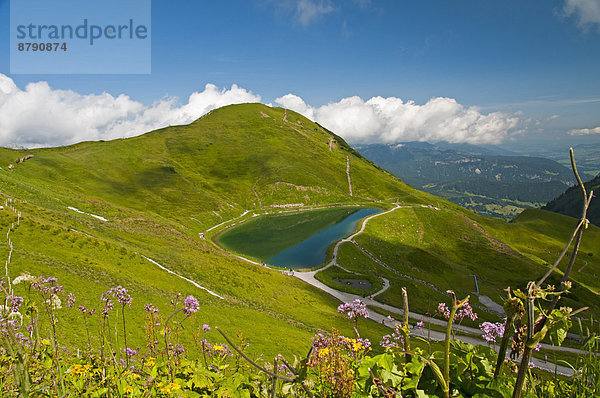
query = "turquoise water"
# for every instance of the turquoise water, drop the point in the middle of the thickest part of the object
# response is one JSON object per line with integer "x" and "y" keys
{"x": 312, "y": 251}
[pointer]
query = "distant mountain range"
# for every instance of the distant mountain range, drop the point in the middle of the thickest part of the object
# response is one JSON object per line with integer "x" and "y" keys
{"x": 490, "y": 181}
{"x": 570, "y": 203}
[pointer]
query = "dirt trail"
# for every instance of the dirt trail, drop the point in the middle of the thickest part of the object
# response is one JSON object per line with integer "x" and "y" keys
{"x": 348, "y": 174}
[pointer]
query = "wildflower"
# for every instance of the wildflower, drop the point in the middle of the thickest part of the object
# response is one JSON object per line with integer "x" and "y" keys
{"x": 151, "y": 309}
{"x": 14, "y": 303}
{"x": 466, "y": 311}
{"x": 129, "y": 352}
{"x": 443, "y": 310}
{"x": 121, "y": 295}
{"x": 190, "y": 305}
{"x": 323, "y": 352}
{"x": 354, "y": 310}
{"x": 128, "y": 389}
{"x": 24, "y": 278}
{"x": 492, "y": 331}
{"x": 420, "y": 324}
{"x": 205, "y": 327}
{"x": 217, "y": 347}
{"x": 108, "y": 306}
{"x": 392, "y": 340}
{"x": 70, "y": 300}
{"x": 170, "y": 387}
{"x": 54, "y": 302}
{"x": 178, "y": 350}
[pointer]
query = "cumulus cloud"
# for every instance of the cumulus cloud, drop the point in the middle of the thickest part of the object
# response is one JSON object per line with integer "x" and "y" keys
{"x": 40, "y": 116}
{"x": 595, "y": 130}
{"x": 587, "y": 12}
{"x": 391, "y": 120}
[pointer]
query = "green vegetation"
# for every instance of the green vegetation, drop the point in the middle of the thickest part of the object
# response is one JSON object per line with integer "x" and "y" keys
{"x": 476, "y": 178}
{"x": 160, "y": 190}
{"x": 93, "y": 214}
{"x": 570, "y": 202}
{"x": 268, "y": 235}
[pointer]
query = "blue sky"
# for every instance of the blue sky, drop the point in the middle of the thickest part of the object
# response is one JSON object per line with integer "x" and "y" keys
{"x": 536, "y": 61}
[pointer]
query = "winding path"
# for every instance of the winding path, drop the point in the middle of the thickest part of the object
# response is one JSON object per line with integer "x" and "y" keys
{"x": 309, "y": 277}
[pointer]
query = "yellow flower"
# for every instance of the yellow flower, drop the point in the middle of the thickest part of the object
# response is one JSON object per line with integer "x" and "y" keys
{"x": 149, "y": 363}
{"x": 357, "y": 346}
{"x": 323, "y": 352}
{"x": 170, "y": 387}
{"x": 128, "y": 389}
{"x": 218, "y": 348}
{"x": 133, "y": 376}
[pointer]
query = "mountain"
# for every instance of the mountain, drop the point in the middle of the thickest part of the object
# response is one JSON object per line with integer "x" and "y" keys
{"x": 486, "y": 180}
{"x": 587, "y": 155}
{"x": 102, "y": 214}
{"x": 571, "y": 202}
{"x": 92, "y": 214}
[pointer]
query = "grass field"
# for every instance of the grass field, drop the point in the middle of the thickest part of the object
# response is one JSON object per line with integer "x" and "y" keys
{"x": 160, "y": 190}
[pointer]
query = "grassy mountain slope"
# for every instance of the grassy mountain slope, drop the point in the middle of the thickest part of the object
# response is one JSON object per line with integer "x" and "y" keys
{"x": 571, "y": 202}
{"x": 159, "y": 191}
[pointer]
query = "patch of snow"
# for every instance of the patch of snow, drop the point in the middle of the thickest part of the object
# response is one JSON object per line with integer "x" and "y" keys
{"x": 87, "y": 214}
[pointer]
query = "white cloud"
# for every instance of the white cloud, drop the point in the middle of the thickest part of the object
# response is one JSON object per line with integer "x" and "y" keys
{"x": 391, "y": 120}
{"x": 304, "y": 12}
{"x": 595, "y": 130}
{"x": 39, "y": 116}
{"x": 587, "y": 12}
{"x": 309, "y": 10}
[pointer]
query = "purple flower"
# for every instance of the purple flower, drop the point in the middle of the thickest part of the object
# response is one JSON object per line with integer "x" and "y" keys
{"x": 492, "y": 331}
{"x": 354, "y": 310}
{"x": 537, "y": 347}
{"x": 205, "y": 327}
{"x": 178, "y": 350}
{"x": 130, "y": 352}
{"x": 50, "y": 280}
{"x": 70, "y": 300}
{"x": 392, "y": 340}
{"x": 443, "y": 310}
{"x": 14, "y": 303}
{"x": 420, "y": 324}
{"x": 120, "y": 294}
{"x": 190, "y": 305}
{"x": 151, "y": 309}
{"x": 107, "y": 307}
{"x": 466, "y": 311}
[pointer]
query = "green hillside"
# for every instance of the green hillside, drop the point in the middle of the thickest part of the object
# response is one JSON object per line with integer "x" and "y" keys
{"x": 571, "y": 202}
{"x": 93, "y": 214}
{"x": 160, "y": 190}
